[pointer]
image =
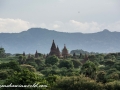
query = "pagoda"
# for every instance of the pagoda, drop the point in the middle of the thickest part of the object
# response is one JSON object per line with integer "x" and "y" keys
{"x": 23, "y": 53}
{"x": 58, "y": 52}
{"x": 65, "y": 52}
{"x": 36, "y": 54}
{"x": 53, "y": 50}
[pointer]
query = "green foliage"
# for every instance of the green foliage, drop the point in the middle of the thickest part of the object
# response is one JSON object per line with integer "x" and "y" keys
{"x": 92, "y": 57}
{"x": 18, "y": 54}
{"x": 39, "y": 62}
{"x": 117, "y": 65}
{"x": 25, "y": 77}
{"x": 115, "y": 85}
{"x": 3, "y": 74}
{"x": 118, "y": 58}
{"x": 101, "y": 76}
{"x": 51, "y": 60}
{"x": 100, "y": 72}
{"x": 77, "y": 83}
{"x": 10, "y": 65}
{"x": 108, "y": 56}
{"x": 89, "y": 69}
{"x": 29, "y": 67}
{"x": 66, "y": 63}
{"x": 33, "y": 63}
{"x": 22, "y": 59}
{"x": 2, "y": 53}
{"x": 51, "y": 79}
{"x": 109, "y": 62}
{"x": 31, "y": 59}
{"x": 46, "y": 72}
{"x": 76, "y": 63}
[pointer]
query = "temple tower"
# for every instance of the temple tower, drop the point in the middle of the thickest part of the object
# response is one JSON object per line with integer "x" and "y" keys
{"x": 65, "y": 52}
{"x": 36, "y": 54}
{"x": 53, "y": 50}
{"x": 58, "y": 52}
{"x": 23, "y": 53}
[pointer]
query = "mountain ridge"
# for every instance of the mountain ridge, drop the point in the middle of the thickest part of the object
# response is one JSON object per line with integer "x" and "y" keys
{"x": 41, "y": 39}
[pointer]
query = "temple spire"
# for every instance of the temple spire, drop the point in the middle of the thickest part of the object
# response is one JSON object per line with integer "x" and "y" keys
{"x": 36, "y": 54}
{"x": 53, "y": 49}
{"x": 23, "y": 53}
{"x": 58, "y": 52}
{"x": 64, "y": 52}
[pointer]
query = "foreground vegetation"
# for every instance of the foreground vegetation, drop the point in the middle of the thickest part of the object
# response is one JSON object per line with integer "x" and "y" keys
{"x": 76, "y": 72}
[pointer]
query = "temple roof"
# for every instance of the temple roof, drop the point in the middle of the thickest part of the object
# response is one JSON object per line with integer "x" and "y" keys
{"x": 64, "y": 51}
{"x": 53, "y": 45}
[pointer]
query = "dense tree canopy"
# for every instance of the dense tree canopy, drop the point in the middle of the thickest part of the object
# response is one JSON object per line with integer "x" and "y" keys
{"x": 97, "y": 72}
{"x": 51, "y": 60}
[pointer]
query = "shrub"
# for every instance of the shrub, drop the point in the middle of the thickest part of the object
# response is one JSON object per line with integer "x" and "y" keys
{"x": 51, "y": 60}
{"x": 115, "y": 85}
{"x": 29, "y": 67}
{"x": 76, "y": 63}
{"x": 3, "y": 74}
{"x": 66, "y": 63}
{"x": 77, "y": 83}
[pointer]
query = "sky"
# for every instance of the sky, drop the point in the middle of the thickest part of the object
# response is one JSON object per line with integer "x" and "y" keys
{"x": 86, "y": 16}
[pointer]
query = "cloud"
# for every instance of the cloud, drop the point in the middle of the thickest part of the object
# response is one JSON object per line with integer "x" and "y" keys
{"x": 56, "y": 26}
{"x": 14, "y": 25}
{"x": 84, "y": 27}
{"x": 18, "y": 25}
{"x": 114, "y": 26}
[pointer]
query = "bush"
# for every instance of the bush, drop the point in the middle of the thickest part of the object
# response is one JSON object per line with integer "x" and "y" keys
{"x": 25, "y": 77}
{"x": 115, "y": 85}
{"x": 29, "y": 67}
{"x": 89, "y": 69}
{"x": 51, "y": 60}
{"x": 10, "y": 65}
{"x": 77, "y": 83}
{"x": 76, "y": 63}
{"x": 66, "y": 63}
{"x": 101, "y": 76}
{"x": 3, "y": 74}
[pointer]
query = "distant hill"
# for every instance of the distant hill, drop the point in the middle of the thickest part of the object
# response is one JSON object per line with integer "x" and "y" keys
{"x": 78, "y": 52}
{"x": 41, "y": 39}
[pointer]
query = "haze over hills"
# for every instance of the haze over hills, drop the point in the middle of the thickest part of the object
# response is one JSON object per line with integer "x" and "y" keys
{"x": 41, "y": 39}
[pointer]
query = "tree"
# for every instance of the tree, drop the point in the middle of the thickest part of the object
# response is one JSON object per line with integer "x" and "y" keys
{"x": 89, "y": 69}
{"x": 3, "y": 74}
{"x": 76, "y": 63}
{"x": 117, "y": 65}
{"x": 92, "y": 57}
{"x": 2, "y": 52}
{"x": 25, "y": 77}
{"x": 51, "y": 60}
{"x": 109, "y": 62}
{"x": 20, "y": 59}
{"x": 10, "y": 65}
{"x": 77, "y": 83}
{"x": 29, "y": 67}
{"x": 66, "y": 63}
{"x": 101, "y": 76}
{"x": 113, "y": 57}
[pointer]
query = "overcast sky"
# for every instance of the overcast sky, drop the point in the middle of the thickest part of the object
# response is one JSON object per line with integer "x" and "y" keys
{"x": 86, "y": 16}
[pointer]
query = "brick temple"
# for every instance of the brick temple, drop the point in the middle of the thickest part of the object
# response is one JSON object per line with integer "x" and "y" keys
{"x": 55, "y": 51}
